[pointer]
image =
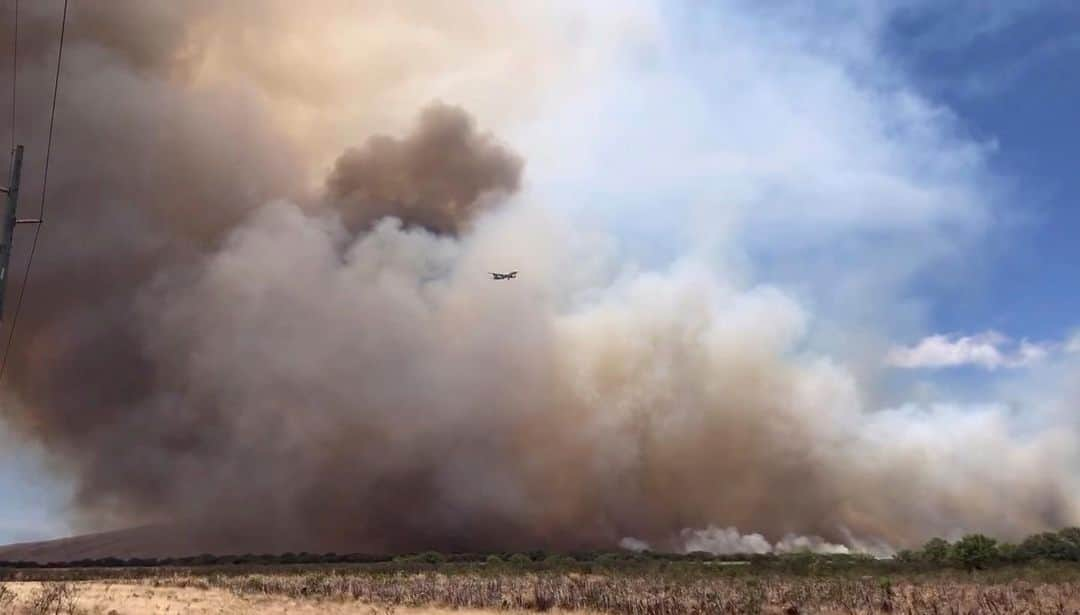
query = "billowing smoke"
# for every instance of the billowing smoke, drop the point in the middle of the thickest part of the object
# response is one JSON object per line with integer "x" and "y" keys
{"x": 223, "y": 329}
{"x": 724, "y": 540}
{"x": 728, "y": 540}
{"x": 438, "y": 178}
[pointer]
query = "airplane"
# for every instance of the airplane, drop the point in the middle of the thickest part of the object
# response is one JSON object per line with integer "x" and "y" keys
{"x": 503, "y": 276}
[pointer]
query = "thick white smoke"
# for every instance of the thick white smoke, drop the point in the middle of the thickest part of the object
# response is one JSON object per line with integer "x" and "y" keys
{"x": 728, "y": 540}
{"x": 386, "y": 372}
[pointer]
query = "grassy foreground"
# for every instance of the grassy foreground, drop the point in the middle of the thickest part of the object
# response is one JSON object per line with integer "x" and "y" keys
{"x": 1039, "y": 588}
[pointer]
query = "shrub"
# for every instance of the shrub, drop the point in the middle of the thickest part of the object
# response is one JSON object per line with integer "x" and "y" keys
{"x": 7, "y": 599}
{"x": 1071, "y": 536}
{"x": 974, "y": 551}
{"x": 1047, "y": 545}
{"x": 1008, "y": 552}
{"x": 53, "y": 598}
{"x": 936, "y": 550}
{"x": 559, "y": 560}
{"x": 431, "y": 557}
{"x": 906, "y": 556}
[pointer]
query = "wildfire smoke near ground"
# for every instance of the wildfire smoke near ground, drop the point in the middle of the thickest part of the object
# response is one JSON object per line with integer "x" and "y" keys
{"x": 262, "y": 308}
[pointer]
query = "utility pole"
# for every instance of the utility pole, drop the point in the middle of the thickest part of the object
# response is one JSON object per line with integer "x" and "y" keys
{"x": 9, "y": 220}
{"x": 10, "y": 204}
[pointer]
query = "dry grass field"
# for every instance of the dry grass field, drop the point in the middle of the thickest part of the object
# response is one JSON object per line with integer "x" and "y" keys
{"x": 510, "y": 592}
{"x": 136, "y": 598}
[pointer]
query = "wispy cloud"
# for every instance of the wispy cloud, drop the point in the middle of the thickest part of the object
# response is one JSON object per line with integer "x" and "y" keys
{"x": 989, "y": 350}
{"x": 1072, "y": 345}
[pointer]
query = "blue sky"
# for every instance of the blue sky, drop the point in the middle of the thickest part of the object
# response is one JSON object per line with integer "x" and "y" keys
{"x": 32, "y": 504}
{"x": 1008, "y": 71}
{"x": 906, "y": 171}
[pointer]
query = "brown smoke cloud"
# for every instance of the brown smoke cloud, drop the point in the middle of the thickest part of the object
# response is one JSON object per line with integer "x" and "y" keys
{"x": 222, "y": 329}
{"x": 439, "y": 177}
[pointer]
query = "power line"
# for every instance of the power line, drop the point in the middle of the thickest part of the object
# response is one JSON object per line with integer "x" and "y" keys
{"x": 14, "y": 71}
{"x": 44, "y": 192}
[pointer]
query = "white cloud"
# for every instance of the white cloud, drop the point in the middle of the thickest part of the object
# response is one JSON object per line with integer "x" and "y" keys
{"x": 1072, "y": 345}
{"x": 989, "y": 350}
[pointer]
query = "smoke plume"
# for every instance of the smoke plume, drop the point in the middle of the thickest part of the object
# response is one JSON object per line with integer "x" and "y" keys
{"x": 723, "y": 541}
{"x": 222, "y": 329}
{"x": 437, "y": 178}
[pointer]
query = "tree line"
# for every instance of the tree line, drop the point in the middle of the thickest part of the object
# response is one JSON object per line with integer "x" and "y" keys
{"x": 974, "y": 551}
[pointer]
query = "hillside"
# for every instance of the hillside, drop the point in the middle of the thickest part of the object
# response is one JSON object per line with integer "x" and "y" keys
{"x": 139, "y": 542}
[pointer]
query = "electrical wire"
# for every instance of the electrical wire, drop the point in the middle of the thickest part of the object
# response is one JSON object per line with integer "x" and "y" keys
{"x": 44, "y": 193}
{"x": 14, "y": 72}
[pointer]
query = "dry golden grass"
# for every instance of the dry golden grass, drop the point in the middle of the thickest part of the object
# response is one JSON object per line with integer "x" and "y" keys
{"x": 134, "y": 598}
{"x": 431, "y": 593}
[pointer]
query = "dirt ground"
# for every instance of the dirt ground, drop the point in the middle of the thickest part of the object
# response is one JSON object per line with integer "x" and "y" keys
{"x": 98, "y": 598}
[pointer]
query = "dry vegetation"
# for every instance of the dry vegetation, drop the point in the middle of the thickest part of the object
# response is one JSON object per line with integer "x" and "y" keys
{"x": 638, "y": 594}
{"x": 641, "y": 595}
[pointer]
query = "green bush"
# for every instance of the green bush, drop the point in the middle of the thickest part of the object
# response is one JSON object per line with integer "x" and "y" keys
{"x": 1047, "y": 545}
{"x": 556, "y": 560}
{"x": 935, "y": 551}
{"x": 1008, "y": 552}
{"x": 906, "y": 556}
{"x": 431, "y": 557}
{"x": 974, "y": 551}
{"x": 608, "y": 559}
{"x": 1071, "y": 536}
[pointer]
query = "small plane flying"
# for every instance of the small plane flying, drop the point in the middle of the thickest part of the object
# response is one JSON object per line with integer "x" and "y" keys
{"x": 503, "y": 276}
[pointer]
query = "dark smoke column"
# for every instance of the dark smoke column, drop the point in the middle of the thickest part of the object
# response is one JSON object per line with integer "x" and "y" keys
{"x": 439, "y": 177}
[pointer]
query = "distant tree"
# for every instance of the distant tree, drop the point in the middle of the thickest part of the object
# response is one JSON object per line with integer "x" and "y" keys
{"x": 355, "y": 558}
{"x": 974, "y": 551}
{"x": 464, "y": 557}
{"x": 1071, "y": 536}
{"x": 607, "y": 558}
{"x": 520, "y": 559}
{"x": 936, "y": 551}
{"x": 205, "y": 559}
{"x": 493, "y": 560}
{"x": 431, "y": 557}
{"x": 585, "y": 556}
{"x": 906, "y": 556}
{"x": 556, "y": 559}
{"x": 1047, "y": 545}
{"x": 1008, "y": 552}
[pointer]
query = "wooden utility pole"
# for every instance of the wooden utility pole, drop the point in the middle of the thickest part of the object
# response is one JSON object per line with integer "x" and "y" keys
{"x": 9, "y": 219}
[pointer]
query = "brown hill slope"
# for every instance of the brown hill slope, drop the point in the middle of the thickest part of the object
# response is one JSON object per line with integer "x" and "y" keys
{"x": 141, "y": 542}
